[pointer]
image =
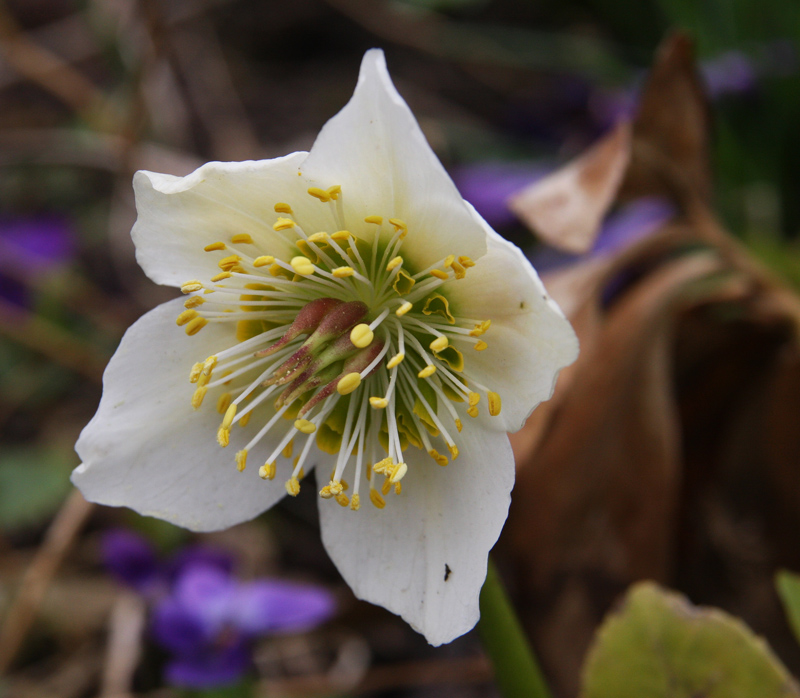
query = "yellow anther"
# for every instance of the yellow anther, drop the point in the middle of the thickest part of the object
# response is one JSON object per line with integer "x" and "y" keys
{"x": 276, "y": 270}
{"x": 245, "y": 419}
{"x": 230, "y": 413}
{"x": 427, "y": 372}
{"x": 283, "y": 224}
{"x": 267, "y": 471}
{"x": 336, "y": 487}
{"x": 318, "y": 237}
{"x": 223, "y": 437}
{"x": 241, "y": 460}
{"x": 287, "y": 449}
{"x": 302, "y": 266}
{"x": 480, "y": 328}
{"x": 394, "y": 263}
{"x": 368, "y": 471}
{"x": 386, "y": 487}
{"x": 466, "y": 261}
{"x": 439, "y": 344}
{"x": 348, "y": 384}
{"x": 191, "y": 286}
{"x": 320, "y": 194}
{"x": 304, "y": 426}
{"x": 342, "y": 499}
{"x": 355, "y": 502}
{"x": 396, "y": 360}
{"x": 194, "y": 374}
{"x": 472, "y": 411}
{"x": 440, "y": 458}
{"x": 214, "y": 246}
{"x": 242, "y": 239}
{"x": 209, "y": 290}
{"x": 194, "y": 326}
{"x": 459, "y": 425}
{"x": 495, "y": 404}
{"x": 459, "y": 271}
{"x": 341, "y": 235}
{"x": 209, "y": 364}
{"x": 293, "y": 486}
{"x": 474, "y": 398}
{"x": 221, "y": 276}
{"x": 399, "y": 225}
{"x": 398, "y": 473}
{"x": 185, "y": 316}
{"x": 382, "y": 465}
{"x": 224, "y": 402}
{"x": 453, "y": 451}
{"x": 448, "y": 261}
{"x": 377, "y": 220}
{"x": 334, "y": 191}
{"x": 300, "y": 473}
{"x": 361, "y": 335}
{"x": 398, "y": 487}
{"x": 379, "y": 403}
{"x": 198, "y": 395}
{"x": 480, "y": 345}
{"x": 263, "y": 260}
{"x": 193, "y": 302}
{"x": 343, "y": 272}
{"x": 326, "y": 493}
{"x": 439, "y": 274}
{"x": 376, "y": 499}
{"x": 403, "y": 309}
{"x": 283, "y": 208}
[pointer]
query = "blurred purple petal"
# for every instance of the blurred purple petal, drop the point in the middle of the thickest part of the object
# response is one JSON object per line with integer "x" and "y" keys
{"x": 130, "y": 558}
{"x": 630, "y": 223}
{"x": 199, "y": 555}
{"x": 215, "y": 666}
{"x": 269, "y": 607}
{"x": 488, "y": 185}
{"x": 177, "y": 628}
{"x": 38, "y": 243}
{"x": 208, "y": 593}
{"x": 731, "y": 72}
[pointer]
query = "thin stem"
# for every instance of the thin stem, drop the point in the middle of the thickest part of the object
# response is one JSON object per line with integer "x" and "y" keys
{"x": 517, "y": 671}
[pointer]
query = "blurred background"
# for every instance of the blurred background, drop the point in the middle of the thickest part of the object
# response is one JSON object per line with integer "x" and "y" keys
{"x": 670, "y": 451}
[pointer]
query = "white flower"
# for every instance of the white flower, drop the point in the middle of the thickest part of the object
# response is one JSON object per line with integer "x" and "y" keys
{"x": 414, "y": 319}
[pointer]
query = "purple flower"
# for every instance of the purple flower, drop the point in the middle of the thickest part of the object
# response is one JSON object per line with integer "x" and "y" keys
{"x": 731, "y": 72}
{"x": 131, "y": 559}
{"x": 209, "y": 620}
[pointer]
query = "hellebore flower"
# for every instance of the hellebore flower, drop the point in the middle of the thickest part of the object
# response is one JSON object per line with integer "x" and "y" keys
{"x": 351, "y": 291}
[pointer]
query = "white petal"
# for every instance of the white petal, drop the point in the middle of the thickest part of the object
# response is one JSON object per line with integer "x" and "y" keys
{"x": 179, "y": 216}
{"x": 529, "y": 340}
{"x": 376, "y": 151}
{"x": 447, "y": 518}
{"x": 146, "y": 448}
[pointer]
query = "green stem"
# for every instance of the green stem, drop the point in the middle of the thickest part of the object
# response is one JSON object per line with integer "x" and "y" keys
{"x": 517, "y": 672}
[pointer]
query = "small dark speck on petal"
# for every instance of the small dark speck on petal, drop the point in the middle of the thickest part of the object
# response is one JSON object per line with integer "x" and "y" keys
{"x": 447, "y": 572}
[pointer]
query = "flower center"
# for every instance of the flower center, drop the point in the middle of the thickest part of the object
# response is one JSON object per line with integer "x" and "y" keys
{"x": 355, "y": 347}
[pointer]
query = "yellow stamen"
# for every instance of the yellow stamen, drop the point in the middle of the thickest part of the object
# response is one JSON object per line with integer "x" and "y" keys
{"x": 283, "y": 208}
{"x": 287, "y": 450}
{"x": 193, "y": 302}
{"x": 396, "y": 262}
{"x": 448, "y": 261}
{"x": 361, "y": 336}
{"x": 399, "y": 225}
{"x": 427, "y": 372}
{"x": 439, "y": 274}
{"x": 267, "y": 471}
{"x": 480, "y": 345}
{"x": 472, "y": 411}
{"x": 398, "y": 487}
{"x": 194, "y": 374}
{"x": 198, "y": 395}
{"x": 326, "y": 493}
{"x": 341, "y": 235}
{"x": 293, "y": 486}
{"x": 438, "y": 457}
{"x": 221, "y": 276}
{"x": 241, "y": 460}
{"x": 343, "y": 499}
{"x": 355, "y": 502}
{"x": 302, "y": 266}
{"x": 480, "y": 328}
{"x": 398, "y": 473}
{"x": 230, "y": 413}
{"x": 229, "y": 262}
{"x": 439, "y": 344}
{"x": 376, "y": 499}
{"x": 320, "y": 194}
{"x": 386, "y": 487}
{"x": 334, "y": 191}
{"x": 243, "y": 421}
{"x": 214, "y": 246}
{"x": 318, "y": 237}
{"x": 474, "y": 399}
{"x": 283, "y": 224}
{"x": 459, "y": 425}
{"x": 343, "y": 272}
{"x": 336, "y": 487}
{"x": 191, "y": 286}
{"x": 466, "y": 261}
{"x": 304, "y": 426}
{"x": 494, "y": 403}
{"x": 348, "y": 384}
{"x": 194, "y": 326}
{"x": 381, "y": 465}
{"x": 379, "y": 403}
{"x": 396, "y": 360}
{"x": 377, "y": 220}
{"x": 209, "y": 364}
{"x": 224, "y": 402}
{"x": 403, "y": 309}
{"x": 263, "y": 260}
{"x": 223, "y": 437}
{"x": 185, "y": 316}
{"x": 453, "y": 451}
{"x": 241, "y": 239}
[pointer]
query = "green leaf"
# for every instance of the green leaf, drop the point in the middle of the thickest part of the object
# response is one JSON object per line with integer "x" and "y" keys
{"x": 33, "y": 483}
{"x": 659, "y": 645}
{"x": 788, "y": 585}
